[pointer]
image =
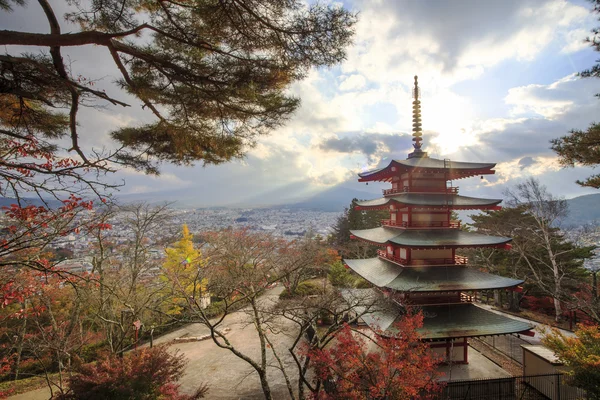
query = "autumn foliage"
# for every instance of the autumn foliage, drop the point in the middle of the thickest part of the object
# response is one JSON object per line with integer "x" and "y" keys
{"x": 581, "y": 354}
{"x": 149, "y": 373}
{"x": 358, "y": 367}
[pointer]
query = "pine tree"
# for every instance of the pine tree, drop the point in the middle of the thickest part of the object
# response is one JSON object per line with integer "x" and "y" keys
{"x": 213, "y": 76}
{"x": 582, "y": 147}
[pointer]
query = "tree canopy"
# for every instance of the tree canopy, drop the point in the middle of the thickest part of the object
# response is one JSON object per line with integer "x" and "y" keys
{"x": 540, "y": 251}
{"x": 213, "y": 74}
{"x": 582, "y": 354}
{"x": 583, "y": 146}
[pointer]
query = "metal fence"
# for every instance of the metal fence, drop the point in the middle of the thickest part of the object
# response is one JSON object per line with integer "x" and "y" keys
{"x": 533, "y": 387}
{"x": 509, "y": 345}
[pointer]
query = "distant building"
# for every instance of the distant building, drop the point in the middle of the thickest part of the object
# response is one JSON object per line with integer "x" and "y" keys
{"x": 418, "y": 262}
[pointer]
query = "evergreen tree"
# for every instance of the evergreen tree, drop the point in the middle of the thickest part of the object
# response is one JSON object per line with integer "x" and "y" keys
{"x": 582, "y": 147}
{"x": 353, "y": 219}
{"x": 532, "y": 256}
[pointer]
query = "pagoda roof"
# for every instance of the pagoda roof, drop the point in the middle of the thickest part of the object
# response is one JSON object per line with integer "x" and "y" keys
{"x": 443, "y": 321}
{"x": 456, "y": 169}
{"x": 428, "y": 237}
{"x": 431, "y": 200}
{"x": 384, "y": 273}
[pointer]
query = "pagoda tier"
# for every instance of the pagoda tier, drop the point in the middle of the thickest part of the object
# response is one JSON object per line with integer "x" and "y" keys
{"x": 386, "y": 274}
{"x": 428, "y": 238}
{"x": 426, "y": 168}
{"x": 445, "y": 321}
{"x": 429, "y": 201}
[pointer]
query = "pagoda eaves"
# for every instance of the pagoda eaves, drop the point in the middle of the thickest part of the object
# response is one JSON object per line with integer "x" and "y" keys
{"x": 452, "y": 201}
{"x": 426, "y": 165}
{"x": 385, "y": 274}
{"x": 428, "y": 238}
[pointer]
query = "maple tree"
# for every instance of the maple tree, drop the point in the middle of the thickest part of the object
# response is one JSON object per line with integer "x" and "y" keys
{"x": 581, "y": 354}
{"x": 145, "y": 374}
{"x": 371, "y": 366}
{"x": 49, "y": 328}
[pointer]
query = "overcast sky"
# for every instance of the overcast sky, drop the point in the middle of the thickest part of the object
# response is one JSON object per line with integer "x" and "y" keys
{"x": 498, "y": 81}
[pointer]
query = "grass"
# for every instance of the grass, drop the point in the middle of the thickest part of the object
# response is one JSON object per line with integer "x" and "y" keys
{"x": 24, "y": 385}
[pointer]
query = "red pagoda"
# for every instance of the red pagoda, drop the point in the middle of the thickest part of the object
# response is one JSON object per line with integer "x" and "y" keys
{"x": 418, "y": 264}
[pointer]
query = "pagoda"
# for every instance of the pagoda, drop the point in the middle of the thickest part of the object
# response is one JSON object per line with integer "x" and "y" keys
{"x": 418, "y": 264}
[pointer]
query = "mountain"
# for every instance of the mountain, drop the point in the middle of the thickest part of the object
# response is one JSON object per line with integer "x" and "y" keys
{"x": 247, "y": 195}
{"x": 335, "y": 199}
{"x": 583, "y": 210}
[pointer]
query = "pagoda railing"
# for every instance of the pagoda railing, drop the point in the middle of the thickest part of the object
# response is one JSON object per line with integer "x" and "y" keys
{"x": 421, "y": 189}
{"x": 421, "y": 224}
{"x": 457, "y": 260}
{"x": 391, "y": 257}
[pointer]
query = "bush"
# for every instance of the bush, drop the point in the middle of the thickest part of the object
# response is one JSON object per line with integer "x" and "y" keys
{"x": 306, "y": 288}
{"x": 215, "y": 309}
{"x": 93, "y": 351}
{"x": 145, "y": 374}
{"x": 361, "y": 283}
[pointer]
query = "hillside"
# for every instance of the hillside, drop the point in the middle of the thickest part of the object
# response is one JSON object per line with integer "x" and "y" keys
{"x": 583, "y": 210}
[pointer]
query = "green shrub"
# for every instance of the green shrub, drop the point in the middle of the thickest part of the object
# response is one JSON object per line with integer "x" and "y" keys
{"x": 361, "y": 283}
{"x": 306, "y": 288}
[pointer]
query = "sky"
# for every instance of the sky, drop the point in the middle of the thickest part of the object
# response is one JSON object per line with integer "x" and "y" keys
{"x": 498, "y": 82}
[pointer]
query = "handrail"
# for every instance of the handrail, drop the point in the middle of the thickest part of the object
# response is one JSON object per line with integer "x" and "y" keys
{"x": 421, "y": 189}
{"x": 421, "y": 224}
{"x": 457, "y": 260}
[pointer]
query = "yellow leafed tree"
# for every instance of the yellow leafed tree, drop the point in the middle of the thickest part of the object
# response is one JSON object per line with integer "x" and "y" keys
{"x": 183, "y": 270}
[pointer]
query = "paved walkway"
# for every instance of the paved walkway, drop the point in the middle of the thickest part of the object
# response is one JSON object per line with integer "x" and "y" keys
{"x": 479, "y": 367}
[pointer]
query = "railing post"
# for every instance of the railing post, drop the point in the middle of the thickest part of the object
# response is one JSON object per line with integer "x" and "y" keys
{"x": 557, "y": 386}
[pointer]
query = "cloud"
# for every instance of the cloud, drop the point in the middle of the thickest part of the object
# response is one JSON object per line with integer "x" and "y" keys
{"x": 548, "y": 101}
{"x": 456, "y": 41}
{"x": 526, "y": 162}
{"x": 353, "y": 82}
{"x": 574, "y": 41}
{"x": 371, "y": 145}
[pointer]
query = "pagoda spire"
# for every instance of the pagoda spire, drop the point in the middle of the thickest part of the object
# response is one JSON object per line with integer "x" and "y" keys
{"x": 417, "y": 132}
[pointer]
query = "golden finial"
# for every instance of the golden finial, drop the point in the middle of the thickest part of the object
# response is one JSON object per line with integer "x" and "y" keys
{"x": 417, "y": 117}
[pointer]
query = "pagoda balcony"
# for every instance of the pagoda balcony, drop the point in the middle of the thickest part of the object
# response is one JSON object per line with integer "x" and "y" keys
{"x": 420, "y": 189}
{"x": 457, "y": 260}
{"x": 421, "y": 225}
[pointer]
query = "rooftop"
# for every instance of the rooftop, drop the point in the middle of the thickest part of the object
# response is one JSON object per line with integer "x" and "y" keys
{"x": 454, "y": 169}
{"x": 383, "y": 273}
{"x": 431, "y": 200}
{"x": 444, "y": 321}
{"x": 428, "y": 238}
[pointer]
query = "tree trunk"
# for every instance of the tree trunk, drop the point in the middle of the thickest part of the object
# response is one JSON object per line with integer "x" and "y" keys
{"x": 557, "y": 309}
{"x": 498, "y": 298}
{"x": 513, "y": 301}
{"x": 264, "y": 383}
{"x": 19, "y": 349}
